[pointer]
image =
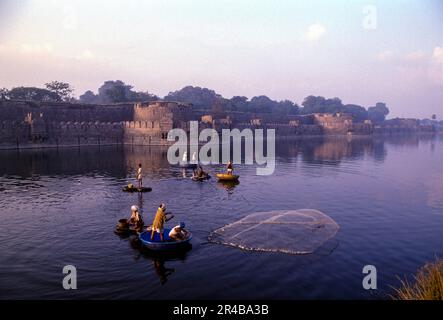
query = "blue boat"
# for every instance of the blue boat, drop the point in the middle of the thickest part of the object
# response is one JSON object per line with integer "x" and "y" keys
{"x": 166, "y": 245}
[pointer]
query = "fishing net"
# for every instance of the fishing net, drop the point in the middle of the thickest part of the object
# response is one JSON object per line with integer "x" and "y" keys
{"x": 289, "y": 231}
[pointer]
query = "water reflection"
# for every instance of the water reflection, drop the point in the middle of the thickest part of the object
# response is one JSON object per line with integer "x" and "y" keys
{"x": 382, "y": 192}
{"x": 159, "y": 259}
{"x": 331, "y": 150}
{"x": 229, "y": 186}
{"x": 121, "y": 161}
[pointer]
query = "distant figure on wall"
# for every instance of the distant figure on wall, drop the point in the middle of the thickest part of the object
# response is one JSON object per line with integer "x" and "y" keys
{"x": 139, "y": 176}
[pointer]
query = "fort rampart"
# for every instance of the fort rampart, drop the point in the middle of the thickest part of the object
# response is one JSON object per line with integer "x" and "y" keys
{"x": 26, "y": 124}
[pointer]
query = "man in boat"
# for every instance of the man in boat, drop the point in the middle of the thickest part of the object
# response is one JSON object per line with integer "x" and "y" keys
{"x": 139, "y": 175}
{"x": 136, "y": 219}
{"x": 230, "y": 168}
{"x": 178, "y": 232}
{"x": 200, "y": 172}
{"x": 159, "y": 221}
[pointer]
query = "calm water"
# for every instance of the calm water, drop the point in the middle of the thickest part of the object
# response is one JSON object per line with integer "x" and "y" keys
{"x": 60, "y": 207}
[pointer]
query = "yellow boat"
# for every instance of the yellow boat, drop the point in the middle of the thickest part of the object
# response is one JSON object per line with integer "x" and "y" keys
{"x": 227, "y": 177}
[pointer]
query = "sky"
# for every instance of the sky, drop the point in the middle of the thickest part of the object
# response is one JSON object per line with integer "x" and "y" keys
{"x": 360, "y": 51}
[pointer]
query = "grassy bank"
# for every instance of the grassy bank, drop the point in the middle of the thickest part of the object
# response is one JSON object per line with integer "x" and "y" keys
{"x": 427, "y": 284}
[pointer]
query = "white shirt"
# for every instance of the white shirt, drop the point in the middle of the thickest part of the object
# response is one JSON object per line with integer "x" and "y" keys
{"x": 173, "y": 232}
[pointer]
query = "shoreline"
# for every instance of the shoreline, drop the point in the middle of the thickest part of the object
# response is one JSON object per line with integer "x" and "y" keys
{"x": 36, "y": 146}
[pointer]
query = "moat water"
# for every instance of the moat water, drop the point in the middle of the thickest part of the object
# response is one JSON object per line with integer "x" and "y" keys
{"x": 60, "y": 207}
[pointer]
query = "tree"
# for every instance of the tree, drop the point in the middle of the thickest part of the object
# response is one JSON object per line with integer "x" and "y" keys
{"x": 33, "y": 94}
{"x": 262, "y": 104}
{"x": 4, "y": 93}
{"x": 319, "y": 104}
{"x": 89, "y": 97}
{"x": 143, "y": 96}
{"x": 62, "y": 89}
{"x": 118, "y": 91}
{"x": 378, "y": 113}
{"x": 287, "y": 107}
{"x": 201, "y": 98}
{"x": 434, "y": 117}
{"x": 358, "y": 113}
{"x": 239, "y": 103}
{"x": 114, "y": 91}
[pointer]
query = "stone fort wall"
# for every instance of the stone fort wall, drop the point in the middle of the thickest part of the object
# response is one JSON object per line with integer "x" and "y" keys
{"x": 30, "y": 124}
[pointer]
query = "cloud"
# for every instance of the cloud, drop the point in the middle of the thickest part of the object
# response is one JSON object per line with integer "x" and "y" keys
{"x": 36, "y": 48}
{"x": 436, "y": 66}
{"x": 437, "y": 54}
{"x": 385, "y": 56}
{"x": 70, "y": 20}
{"x": 415, "y": 56}
{"x": 315, "y": 32}
{"x": 85, "y": 55}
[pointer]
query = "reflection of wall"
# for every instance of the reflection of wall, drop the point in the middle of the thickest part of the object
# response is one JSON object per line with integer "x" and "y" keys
{"x": 434, "y": 187}
{"x": 152, "y": 158}
{"x": 332, "y": 150}
{"x": 64, "y": 161}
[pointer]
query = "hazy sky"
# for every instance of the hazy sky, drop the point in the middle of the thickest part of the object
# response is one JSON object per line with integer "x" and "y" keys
{"x": 360, "y": 51}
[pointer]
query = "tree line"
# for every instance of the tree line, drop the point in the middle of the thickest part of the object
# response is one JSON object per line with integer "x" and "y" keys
{"x": 201, "y": 98}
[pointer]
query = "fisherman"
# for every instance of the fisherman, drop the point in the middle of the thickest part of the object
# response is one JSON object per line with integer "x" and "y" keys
{"x": 139, "y": 176}
{"x": 200, "y": 172}
{"x": 230, "y": 168}
{"x": 136, "y": 219}
{"x": 159, "y": 221}
{"x": 178, "y": 232}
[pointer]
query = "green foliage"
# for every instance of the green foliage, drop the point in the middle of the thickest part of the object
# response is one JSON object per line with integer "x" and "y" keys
{"x": 4, "y": 93}
{"x": 313, "y": 104}
{"x": 201, "y": 98}
{"x": 116, "y": 91}
{"x": 378, "y": 113}
{"x": 33, "y": 94}
{"x": 62, "y": 89}
{"x": 318, "y": 104}
{"x": 358, "y": 113}
{"x": 89, "y": 97}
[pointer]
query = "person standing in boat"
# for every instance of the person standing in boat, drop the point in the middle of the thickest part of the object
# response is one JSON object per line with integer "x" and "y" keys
{"x": 139, "y": 176}
{"x": 230, "y": 168}
{"x": 159, "y": 221}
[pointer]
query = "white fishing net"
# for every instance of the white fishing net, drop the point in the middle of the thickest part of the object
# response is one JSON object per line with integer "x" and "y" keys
{"x": 289, "y": 231}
